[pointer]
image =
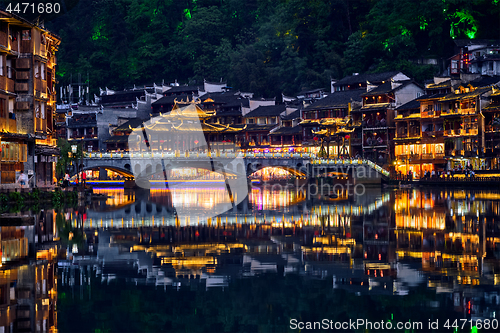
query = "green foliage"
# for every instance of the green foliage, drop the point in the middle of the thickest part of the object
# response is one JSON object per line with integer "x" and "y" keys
{"x": 67, "y": 157}
{"x": 267, "y": 47}
{"x": 16, "y": 197}
{"x": 57, "y": 199}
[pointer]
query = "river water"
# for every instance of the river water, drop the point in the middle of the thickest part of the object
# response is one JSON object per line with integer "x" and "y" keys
{"x": 279, "y": 260}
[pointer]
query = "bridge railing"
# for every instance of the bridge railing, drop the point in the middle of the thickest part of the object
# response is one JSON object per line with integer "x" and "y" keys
{"x": 196, "y": 155}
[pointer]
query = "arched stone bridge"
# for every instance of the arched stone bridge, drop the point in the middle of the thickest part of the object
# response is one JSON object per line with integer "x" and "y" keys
{"x": 143, "y": 165}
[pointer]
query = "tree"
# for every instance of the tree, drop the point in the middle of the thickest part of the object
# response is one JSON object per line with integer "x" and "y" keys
{"x": 67, "y": 158}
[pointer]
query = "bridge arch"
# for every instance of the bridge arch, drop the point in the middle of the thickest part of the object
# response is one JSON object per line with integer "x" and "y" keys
{"x": 121, "y": 171}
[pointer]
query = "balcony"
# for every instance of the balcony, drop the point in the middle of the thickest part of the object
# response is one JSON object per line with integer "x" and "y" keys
{"x": 26, "y": 46}
{"x": 4, "y": 39}
{"x": 23, "y": 63}
{"x": 461, "y": 132}
{"x": 492, "y": 129}
{"x": 451, "y": 112}
{"x": 14, "y": 46}
{"x": 432, "y": 134}
{"x": 6, "y": 84}
{"x": 469, "y": 131}
{"x": 22, "y": 75}
{"x": 375, "y": 143}
{"x": 40, "y": 125}
{"x": 9, "y": 125}
{"x": 430, "y": 114}
{"x": 21, "y": 87}
{"x": 418, "y": 157}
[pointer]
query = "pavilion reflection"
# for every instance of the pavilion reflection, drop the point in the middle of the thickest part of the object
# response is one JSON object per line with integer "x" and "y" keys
{"x": 387, "y": 243}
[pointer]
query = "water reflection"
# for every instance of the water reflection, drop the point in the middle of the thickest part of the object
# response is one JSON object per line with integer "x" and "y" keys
{"x": 415, "y": 254}
{"x": 28, "y": 277}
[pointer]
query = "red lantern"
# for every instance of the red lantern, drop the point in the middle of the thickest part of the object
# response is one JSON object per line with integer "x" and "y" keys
{"x": 315, "y": 138}
{"x": 162, "y": 141}
{"x": 195, "y": 142}
{"x": 347, "y": 137}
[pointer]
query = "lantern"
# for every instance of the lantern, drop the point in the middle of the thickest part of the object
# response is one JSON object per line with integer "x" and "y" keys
{"x": 315, "y": 138}
{"x": 347, "y": 137}
{"x": 195, "y": 142}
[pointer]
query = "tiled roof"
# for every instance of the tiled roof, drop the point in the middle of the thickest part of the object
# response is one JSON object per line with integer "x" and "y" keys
{"x": 294, "y": 115}
{"x": 256, "y": 127}
{"x": 387, "y": 88}
{"x": 475, "y": 93}
{"x": 338, "y": 99}
{"x": 362, "y": 78}
{"x": 132, "y": 123}
{"x": 441, "y": 85}
{"x": 181, "y": 89}
{"x": 287, "y": 130}
{"x": 169, "y": 100}
{"x": 267, "y": 111}
{"x": 413, "y": 104}
{"x": 484, "y": 81}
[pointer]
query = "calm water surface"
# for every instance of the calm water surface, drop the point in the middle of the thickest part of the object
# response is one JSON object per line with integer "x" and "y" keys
{"x": 279, "y": 258}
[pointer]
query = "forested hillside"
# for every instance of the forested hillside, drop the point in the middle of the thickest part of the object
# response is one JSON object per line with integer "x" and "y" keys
{"x": 264, "y": 46}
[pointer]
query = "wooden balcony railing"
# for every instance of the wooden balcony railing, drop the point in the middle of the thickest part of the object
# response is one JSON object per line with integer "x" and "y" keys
{"x": 10, "y": 85}
{"x": 21, "y": 87}
{"x": 4, "y": 39}
{"x": 417, "y": 157}
{"x": 22, "y": 75}
{"x": 467, "y": 131}
{"x": 428, "y": 114}
{"x": 23, "y": 63}
{"x": 38, "y": 84}
{"x": 14, "y": 46}
{"x": 40, "y": 125}
{"x": 6, "y": 84}
{"x": 8, "y": 124}
{"x": 26, "y": 46}
{"x": 458, "y": 111}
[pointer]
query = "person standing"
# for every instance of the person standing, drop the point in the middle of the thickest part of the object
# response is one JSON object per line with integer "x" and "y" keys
{"x": 23, "y": 179}
{"x": 84, "y": 178}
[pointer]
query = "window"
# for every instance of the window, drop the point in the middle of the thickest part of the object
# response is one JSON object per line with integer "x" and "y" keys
{"x": 37, "y": 109}
{"x": 9, "y": 68}
{"x": 43, "y": 71}
{"x": 2, "y": 72}
{"x": 37, "y": 69}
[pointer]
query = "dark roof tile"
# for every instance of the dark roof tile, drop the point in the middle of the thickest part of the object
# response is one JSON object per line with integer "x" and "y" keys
{"x": 338, "y": 99}
{"x": 267, "y": 111}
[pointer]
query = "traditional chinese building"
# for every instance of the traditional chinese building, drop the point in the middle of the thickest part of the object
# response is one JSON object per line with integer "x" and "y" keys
{"x": 447, "y": 129}
{"x": 185, "y": 130}
{"x": 378, "y": 113}
{"x": 329, "y": 119}
{"x": 27, "y": 101}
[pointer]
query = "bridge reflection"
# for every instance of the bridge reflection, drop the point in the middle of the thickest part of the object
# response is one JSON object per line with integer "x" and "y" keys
{"x": 128, "y": 208}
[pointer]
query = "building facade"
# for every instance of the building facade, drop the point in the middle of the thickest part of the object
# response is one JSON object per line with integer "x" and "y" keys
{"x": 27, "y": 101}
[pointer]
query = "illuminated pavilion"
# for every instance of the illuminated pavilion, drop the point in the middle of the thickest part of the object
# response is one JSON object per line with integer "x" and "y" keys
{"x": 181, "y": 130}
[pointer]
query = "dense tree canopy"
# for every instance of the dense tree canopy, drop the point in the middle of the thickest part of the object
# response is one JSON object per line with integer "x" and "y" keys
{"x": 264, "y": 46}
